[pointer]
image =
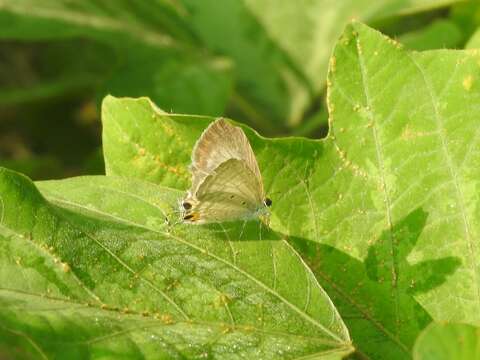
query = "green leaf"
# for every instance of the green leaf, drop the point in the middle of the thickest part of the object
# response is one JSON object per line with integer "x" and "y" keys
{"x": 93, "y": 271}
{"x": 384, "y": 209}
{"x": 448, "y": 341}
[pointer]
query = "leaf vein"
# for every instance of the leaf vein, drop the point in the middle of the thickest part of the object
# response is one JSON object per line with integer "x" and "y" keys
{"x": 453, "y": 174}
{"x": 383, "y": 182}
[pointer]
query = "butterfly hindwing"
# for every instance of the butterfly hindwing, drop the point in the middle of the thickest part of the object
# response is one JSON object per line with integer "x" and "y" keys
{"x": 231, "y": 192}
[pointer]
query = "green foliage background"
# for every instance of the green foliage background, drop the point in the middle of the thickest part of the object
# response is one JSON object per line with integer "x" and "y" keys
{"x": 373, "y": 239}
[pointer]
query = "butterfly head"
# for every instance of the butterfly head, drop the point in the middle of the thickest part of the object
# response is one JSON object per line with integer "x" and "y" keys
{"x": 189, "y": 214}
{"x": 267, "y": 202}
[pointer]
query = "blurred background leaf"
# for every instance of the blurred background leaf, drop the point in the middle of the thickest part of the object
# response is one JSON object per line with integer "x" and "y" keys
{"x": 439, "y": 34}
{"x": 261, "y": 62}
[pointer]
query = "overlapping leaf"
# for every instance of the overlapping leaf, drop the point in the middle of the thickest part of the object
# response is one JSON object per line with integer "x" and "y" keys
{"x": 385, "y": 208}
{"x": 96, "y": 271}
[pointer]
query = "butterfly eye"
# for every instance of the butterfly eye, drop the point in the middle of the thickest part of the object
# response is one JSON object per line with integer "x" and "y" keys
{"x": 187, "y": 205}
{"x": 268, "y": 202}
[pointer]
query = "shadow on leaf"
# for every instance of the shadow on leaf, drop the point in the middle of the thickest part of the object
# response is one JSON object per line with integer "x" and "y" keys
{"x": 375, "y": 297}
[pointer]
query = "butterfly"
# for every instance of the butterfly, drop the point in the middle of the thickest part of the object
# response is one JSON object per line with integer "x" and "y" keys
{"x": 226, "y": 181}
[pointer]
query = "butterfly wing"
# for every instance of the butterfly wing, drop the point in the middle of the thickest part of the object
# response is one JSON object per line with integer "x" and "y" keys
{"x": 220, "y": 142}
{"x": 231, "y": 192}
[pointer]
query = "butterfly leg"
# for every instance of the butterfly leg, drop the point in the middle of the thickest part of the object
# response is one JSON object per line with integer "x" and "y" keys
{"x": 224, "y": 231}
{"x": 243, "y": 229}
{"x": 260, "y": 230}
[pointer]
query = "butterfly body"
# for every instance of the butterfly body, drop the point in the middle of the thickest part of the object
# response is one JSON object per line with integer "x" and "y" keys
{"x": 226, "y": 181}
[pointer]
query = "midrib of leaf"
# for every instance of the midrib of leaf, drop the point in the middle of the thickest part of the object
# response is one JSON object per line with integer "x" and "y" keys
{"x": 383, "y": 183}
{"x": 153, "y": 322}
{"x": 217, "y": 258}
{"x": 453, "y": 172}
{"x": 92, "y": 21}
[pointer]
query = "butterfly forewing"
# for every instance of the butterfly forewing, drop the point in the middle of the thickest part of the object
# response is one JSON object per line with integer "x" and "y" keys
{"x": 220, "y": 142}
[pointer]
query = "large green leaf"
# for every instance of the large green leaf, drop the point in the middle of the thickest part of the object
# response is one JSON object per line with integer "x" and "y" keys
{"x": 95, "y": 271}
{"x": 448, "y": 341}
{"x": 384, "y": 208}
